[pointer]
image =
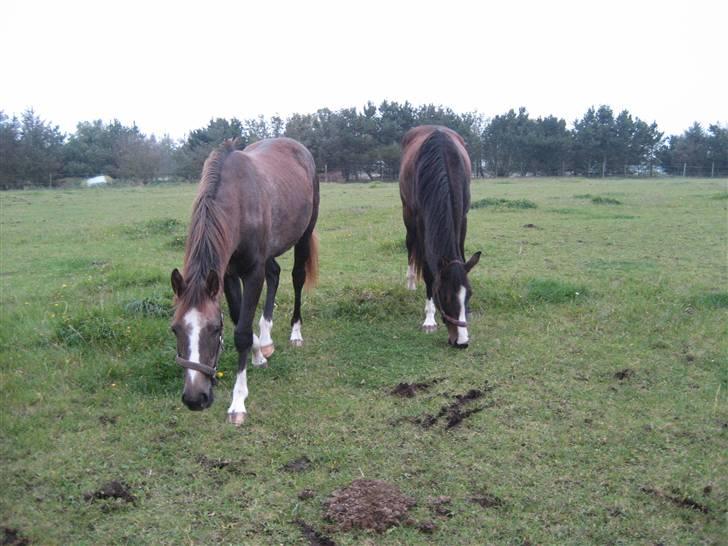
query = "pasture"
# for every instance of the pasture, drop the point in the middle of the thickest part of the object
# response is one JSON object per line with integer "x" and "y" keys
{"x": 590, "y": 408}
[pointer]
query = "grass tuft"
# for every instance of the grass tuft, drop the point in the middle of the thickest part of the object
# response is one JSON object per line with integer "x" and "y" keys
{"x": 501, "y": 203}
{"x": 553, "y": 291}
{"x": 715, "y": 300}
{"x": 598, "y": 200}
{"x": 149, "y": 307}
{"x": 150, "y": 228}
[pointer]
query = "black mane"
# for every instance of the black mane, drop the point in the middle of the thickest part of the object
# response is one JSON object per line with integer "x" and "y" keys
{"x": 440, "y": 182}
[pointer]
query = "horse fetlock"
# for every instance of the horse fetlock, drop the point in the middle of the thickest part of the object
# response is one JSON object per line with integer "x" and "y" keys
{"x": 296, "y": 337}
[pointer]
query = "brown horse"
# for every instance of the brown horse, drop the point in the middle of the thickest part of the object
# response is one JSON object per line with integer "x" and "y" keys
{"x": 434, "y": 184}
{"x": 252, "y": 206}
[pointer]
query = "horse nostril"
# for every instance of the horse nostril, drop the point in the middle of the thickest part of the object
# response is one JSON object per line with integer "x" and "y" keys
{"x": 203, "y": 399}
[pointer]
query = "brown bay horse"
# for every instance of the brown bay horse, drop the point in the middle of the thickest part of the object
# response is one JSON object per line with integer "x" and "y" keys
{"x": 434, "y": 184}
{"x": 252, "y": 206}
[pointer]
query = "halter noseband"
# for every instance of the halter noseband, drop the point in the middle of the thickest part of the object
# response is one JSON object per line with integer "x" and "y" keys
{"x": 209, "y": 371}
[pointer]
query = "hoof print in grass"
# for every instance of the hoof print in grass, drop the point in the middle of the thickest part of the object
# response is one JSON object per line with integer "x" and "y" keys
{"x": 12, "y": 537}
{"x": 409, "y": 390}
{"x": 313, "y": 536}
{"x": 111, "y": 490}
{"x": 487, "y": 500}
{"x": 427, "y": 527}
{"x": 624, "y": 374}
{"x": 298, "y": 465}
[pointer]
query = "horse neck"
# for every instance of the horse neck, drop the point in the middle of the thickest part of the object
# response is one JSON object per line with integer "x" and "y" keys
{"x": 209, "y": 241}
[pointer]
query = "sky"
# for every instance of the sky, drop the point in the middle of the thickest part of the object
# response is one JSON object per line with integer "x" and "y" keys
{"x": 170, "y": 67}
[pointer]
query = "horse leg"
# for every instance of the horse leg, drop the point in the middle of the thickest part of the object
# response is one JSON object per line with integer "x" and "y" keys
{"x": 272, "y": 275}
{"x": 300, "y": 255}
{"x": 411, "y": 241}
{"x": 233, "y": 295}
{"x": 244, "y": 340}
{"x": 430, "y": 325}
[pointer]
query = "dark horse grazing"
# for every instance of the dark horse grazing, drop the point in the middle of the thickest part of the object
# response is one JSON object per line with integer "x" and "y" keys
{"x": 252, "y": 206}
{"x": 434, "y": 184}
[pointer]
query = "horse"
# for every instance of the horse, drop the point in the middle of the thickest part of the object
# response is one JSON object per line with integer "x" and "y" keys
{"x": 434, "y": 185}
{"x": 252, "y": 205}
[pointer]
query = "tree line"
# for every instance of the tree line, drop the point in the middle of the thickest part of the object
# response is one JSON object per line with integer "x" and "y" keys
{"x": 351, "y": 144}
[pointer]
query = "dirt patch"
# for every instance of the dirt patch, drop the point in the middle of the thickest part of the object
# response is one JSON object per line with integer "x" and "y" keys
{"x": 531, "y": 226}
{"x": 306, "y": 494}
{"x": 314, "y": 537}
{"x": 456, "y": 412}
{"x": 300, "y": 464}
{"x": 209, "y": 464}
{"x": 679, "y": 500}
{"x": 111, "y": 490}
{"x": 108, "y": 419}
{"x": 368, "y": 504}
{"x": 12, "y": 537}
{"x": 440, "y": 506}
{"x": 427, "y": 527}
{"x": 487, "y": 500}
{"x": 409, "y": 390}
{"x": 624, "y": 374}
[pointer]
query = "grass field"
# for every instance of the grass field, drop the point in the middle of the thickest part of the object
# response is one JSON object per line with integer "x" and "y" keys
{"x": 599, "y": 346}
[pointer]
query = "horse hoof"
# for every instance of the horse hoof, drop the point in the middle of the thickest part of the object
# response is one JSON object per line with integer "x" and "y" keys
{"x": 429, "y": 328}
{"x": 267, "y": 350}
{"x": 237, "y": 418}
{"x": 297, "y": 342}
{"x": 262, "y": 364}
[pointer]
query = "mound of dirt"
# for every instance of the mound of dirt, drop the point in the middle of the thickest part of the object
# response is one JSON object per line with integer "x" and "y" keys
{"x": 111, "y": 490}
{"x": 368, "y": 504}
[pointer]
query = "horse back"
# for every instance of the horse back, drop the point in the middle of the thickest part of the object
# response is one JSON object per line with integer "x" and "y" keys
{"x": 412, "y": 143}
{"x": 273, "y": 188}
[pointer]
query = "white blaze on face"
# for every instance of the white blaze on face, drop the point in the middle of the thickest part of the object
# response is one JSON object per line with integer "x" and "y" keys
{"x": 240, "y": 393}
{"x": 193, "y": 320}
{"x": 462, "y": 331}
{"x": 265, "y": 328}
{"x": 429, "y": 314}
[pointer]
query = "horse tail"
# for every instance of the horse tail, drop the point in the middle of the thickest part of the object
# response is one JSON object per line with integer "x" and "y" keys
{"x": 312, "y": 263}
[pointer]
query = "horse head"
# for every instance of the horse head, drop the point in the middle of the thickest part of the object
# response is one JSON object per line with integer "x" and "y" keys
{"x": 198, "y": 326}
{"x": 452, "y": 296}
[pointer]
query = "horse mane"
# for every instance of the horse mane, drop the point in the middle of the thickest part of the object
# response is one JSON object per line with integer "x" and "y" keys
{"x": 209, "y": 237}
{"x": 440, "y": 197}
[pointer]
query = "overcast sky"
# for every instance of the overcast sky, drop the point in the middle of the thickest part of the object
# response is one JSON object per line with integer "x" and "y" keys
{"x": 171, "y": 67}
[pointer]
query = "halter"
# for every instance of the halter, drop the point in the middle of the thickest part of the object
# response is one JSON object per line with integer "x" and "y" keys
{"x": 445, "y": 316}
{"x": 209, "y": 371}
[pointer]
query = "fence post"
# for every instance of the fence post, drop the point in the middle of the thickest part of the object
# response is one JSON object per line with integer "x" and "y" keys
{"x": 685, "y": 169}
{"x": 712, "y": 169}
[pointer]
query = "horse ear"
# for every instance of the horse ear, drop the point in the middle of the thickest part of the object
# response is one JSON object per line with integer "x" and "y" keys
{"x": 178, "y": 283}
{"x": 474, "y": 259}
{"x": 213, "y": 283}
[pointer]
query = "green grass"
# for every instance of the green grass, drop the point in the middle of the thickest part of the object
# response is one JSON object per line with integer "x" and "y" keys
{"x": 601, "y": 338}
{"x": 500, "y": 202}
